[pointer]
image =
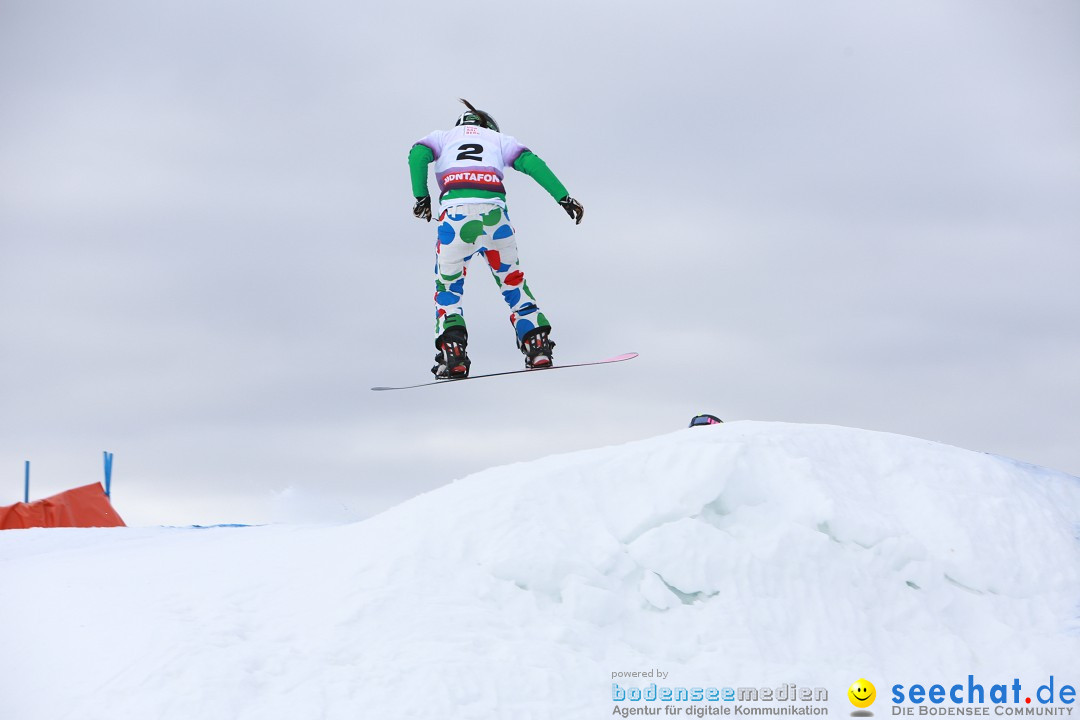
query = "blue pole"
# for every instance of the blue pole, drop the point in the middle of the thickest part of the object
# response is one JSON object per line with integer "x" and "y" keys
{"x": 108, "y": 474}
{"x": 26, "y": 485}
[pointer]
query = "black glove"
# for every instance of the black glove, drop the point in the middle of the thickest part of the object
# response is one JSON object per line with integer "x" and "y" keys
{"x": 422, "y": 208}
{"x": 573, "y": 208}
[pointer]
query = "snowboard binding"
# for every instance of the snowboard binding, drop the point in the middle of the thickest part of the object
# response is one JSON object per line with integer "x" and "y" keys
{"x": 452, "y": 361}
{"x": 537, "y": 348}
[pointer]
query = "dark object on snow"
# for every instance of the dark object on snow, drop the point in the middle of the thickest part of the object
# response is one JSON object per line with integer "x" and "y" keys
{"x": 705, "y": 420}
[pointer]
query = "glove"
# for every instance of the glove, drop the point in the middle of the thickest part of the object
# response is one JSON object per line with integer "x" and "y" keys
{"x": 422, "y": 208}
{"x": 573, "y": 208}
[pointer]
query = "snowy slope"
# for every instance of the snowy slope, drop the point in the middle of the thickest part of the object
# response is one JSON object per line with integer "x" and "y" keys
{"x": 747, "y": 553}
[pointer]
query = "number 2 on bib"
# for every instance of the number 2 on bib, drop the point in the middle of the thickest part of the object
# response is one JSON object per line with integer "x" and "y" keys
{"x": 471, "y": 151}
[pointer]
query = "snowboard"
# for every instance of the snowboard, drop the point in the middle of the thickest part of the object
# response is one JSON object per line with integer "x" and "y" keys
{"x": 448, "y": 381}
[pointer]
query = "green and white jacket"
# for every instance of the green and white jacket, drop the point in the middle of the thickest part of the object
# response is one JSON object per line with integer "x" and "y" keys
{"x": 469, "y": 166}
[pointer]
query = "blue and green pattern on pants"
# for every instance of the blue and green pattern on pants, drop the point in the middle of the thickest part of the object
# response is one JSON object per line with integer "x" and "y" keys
{"x": 464, "y": 231}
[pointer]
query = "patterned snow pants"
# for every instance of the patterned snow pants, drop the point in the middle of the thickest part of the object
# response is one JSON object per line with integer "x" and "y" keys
{"x": 485, "y": 229}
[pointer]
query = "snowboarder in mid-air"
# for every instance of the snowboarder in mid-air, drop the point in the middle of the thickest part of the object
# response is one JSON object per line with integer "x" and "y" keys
{"x": 469, "y": 162}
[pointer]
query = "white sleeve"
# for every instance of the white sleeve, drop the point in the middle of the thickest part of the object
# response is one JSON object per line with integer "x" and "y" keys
{"x": 435, "y": 140}
{"x": 511, "y": 150}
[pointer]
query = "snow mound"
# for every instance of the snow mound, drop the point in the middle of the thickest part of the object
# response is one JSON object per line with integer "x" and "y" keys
{"x": 745, "y": 553}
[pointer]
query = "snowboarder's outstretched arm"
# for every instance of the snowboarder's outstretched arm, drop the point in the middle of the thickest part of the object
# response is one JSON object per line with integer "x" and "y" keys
{"x": 531, "y": 164}
{"x": 420, "y": 156}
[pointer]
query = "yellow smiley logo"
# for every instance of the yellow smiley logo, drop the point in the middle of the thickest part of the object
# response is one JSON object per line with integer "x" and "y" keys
{"x": 862, "y": 693}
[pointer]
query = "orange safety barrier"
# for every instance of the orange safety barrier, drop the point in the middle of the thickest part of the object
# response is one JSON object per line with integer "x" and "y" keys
{"x": 86, "y": 506}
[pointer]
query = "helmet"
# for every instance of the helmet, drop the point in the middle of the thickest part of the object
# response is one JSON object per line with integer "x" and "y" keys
{"x": 472, "y": 116}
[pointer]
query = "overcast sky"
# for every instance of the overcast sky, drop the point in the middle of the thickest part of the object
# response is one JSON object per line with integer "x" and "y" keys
{"x": 844, "y": 212}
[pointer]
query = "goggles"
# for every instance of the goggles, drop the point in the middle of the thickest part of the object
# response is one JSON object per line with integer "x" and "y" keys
{"x": 705, "y": 420}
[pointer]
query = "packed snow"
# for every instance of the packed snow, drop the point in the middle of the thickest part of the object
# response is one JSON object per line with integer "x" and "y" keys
{"x": 745, "y": 554}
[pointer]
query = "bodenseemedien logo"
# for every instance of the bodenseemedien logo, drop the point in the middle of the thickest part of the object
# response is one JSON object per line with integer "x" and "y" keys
{"x": 862, "y": 694}
{"x": 700, "y": 701}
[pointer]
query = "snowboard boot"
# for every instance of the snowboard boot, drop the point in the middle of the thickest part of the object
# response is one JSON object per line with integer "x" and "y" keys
{"x": 537, "y": 347}
{"x": 452, "y": 362}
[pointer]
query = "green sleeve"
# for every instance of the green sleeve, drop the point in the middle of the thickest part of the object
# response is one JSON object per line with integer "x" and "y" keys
{"x": 530, "y": 164}
{"x": 419, "y": 158}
